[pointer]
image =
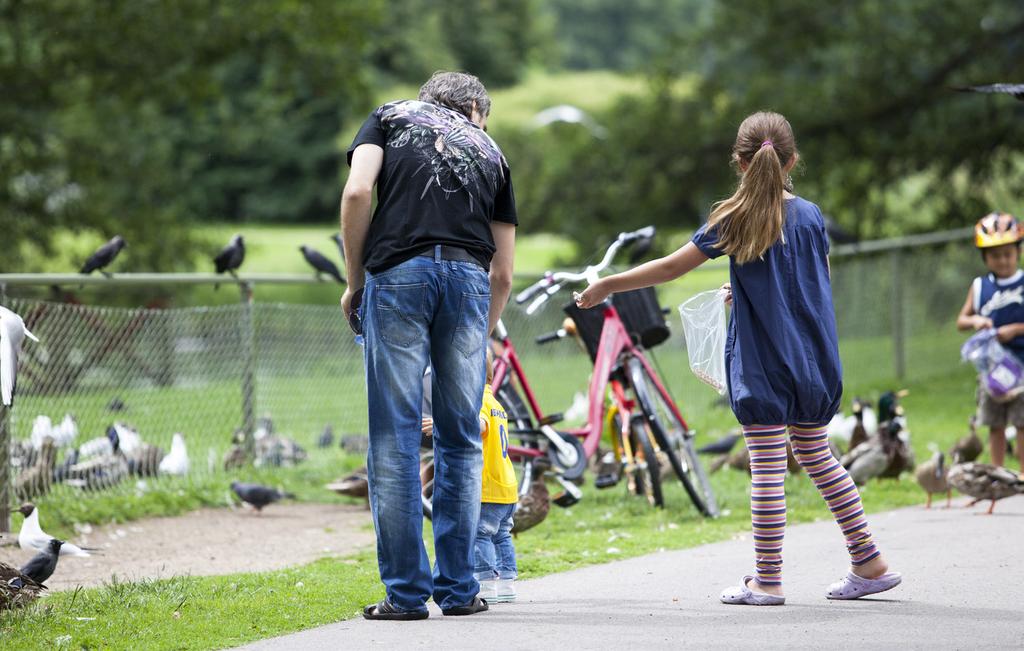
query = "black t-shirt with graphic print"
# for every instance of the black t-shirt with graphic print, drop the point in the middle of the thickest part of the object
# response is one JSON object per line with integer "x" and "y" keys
{"x": 443, "y": 181}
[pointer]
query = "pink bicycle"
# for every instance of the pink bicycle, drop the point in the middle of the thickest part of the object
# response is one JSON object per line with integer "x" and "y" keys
{"x": 649, "y": 430}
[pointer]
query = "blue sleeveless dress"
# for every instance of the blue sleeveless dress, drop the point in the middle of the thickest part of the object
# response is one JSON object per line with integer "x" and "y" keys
{"x": 782, "y": 351}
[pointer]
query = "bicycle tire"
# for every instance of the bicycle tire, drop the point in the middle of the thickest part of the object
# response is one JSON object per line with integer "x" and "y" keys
{"x": 646, "y": 474}
{"x": 673, "y": 439}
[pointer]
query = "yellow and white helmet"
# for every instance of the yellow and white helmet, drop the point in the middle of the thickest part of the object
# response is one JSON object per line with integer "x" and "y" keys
{"x": 997, "y": 229}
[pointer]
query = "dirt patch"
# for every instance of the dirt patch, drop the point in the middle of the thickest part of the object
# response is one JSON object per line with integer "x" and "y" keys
{"x": 211, "y": 541}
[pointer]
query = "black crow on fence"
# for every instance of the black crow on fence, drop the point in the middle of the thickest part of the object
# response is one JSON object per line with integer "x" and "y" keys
{"x": 341, "y": 246}
{"x": 231, "y": 256}
{"x": 322, "y": 265}
{"x": 104, "y": 256}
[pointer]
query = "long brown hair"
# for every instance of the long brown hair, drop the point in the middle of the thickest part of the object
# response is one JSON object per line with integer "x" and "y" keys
{"x": 750, "y": 221}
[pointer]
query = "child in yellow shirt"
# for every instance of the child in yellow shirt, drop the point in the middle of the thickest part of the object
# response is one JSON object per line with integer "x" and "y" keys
{"x": 495, "y": 555}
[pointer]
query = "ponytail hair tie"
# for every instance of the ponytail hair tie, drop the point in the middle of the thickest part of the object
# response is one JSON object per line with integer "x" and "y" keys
{"x": 767, "y": 143}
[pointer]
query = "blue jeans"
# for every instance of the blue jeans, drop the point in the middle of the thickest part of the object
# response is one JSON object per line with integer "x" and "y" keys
{"x": 425, "y": 311}
{"x": 495, "y": 555}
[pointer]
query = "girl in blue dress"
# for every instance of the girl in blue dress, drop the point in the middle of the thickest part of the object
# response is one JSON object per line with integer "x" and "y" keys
{"x": 782, "y": 352}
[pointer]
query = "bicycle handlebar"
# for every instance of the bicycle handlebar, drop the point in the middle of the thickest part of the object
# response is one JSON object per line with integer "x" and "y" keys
{"x": 552, "y": 282}
{"x": 551, "y": 336}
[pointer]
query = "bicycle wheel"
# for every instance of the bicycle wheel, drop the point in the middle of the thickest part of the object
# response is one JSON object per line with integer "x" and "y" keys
{"x": 672, "y": 437}
{"x": 646, "y": 469}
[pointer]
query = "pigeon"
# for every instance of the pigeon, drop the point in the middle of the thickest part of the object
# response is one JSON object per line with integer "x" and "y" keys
{"x": 175, "y": 463}
{"x": 326, "y": 439}
{"x": 62, "y": 435}
{"x": 104, "y": 256}
{"x": 42, "y": 565}
{"x": 128, "y": 439}
{"x": 341, "y": 245}
{"x": 101, "y": 445}
{"x": 32, "y": 536}
{"x": 231, "y": 256}
{"x": 264, "y": 428}
{"x": 322, "y": 265}
{"x": 258, "y": 496}
{"x": 116, "y": 404}
{"x": 1017, "y": 90}
{"x": 723, "y": 445}
{"x": 12, "y": 333}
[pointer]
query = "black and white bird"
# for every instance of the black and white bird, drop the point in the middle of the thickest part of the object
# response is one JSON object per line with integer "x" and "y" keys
{"x": 42, "y": 565}
{"x": 12, "y": 333}
{"x": 320, "y": 262}
{"x": 341, "y": 246}
{"x": 231, "y": 256}
{"x": 104, "y": 256}
{"x": 257, "y": 495}
{"x": 1017, "y": 90}
{"x": 32, "y": 536}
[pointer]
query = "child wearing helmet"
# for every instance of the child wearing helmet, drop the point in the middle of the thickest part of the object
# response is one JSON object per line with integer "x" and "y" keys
{"x": 996, "y": 300}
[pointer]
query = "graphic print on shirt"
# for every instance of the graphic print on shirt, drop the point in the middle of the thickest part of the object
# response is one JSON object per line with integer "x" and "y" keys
{"x": 456, "y": 155}
{"x": 1002, "y": 298}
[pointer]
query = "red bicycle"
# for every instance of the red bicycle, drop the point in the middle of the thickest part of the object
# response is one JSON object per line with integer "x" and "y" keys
{"x": 649, "y": 429}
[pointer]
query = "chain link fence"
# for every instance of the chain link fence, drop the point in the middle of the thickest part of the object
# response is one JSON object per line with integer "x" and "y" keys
{"x": 271, "y": 378}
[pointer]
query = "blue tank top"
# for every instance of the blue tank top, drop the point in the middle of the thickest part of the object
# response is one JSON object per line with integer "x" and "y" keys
{"x": 1002, "y": 300}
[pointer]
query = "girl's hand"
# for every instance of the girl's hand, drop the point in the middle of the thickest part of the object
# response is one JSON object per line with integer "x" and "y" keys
{"x": 727, "y": 288}
{"x": 591, "y": 296}
{"x": 984, "y": 323}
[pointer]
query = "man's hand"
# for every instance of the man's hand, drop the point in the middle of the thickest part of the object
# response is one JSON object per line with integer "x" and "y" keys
{"x": 427, "y": 426}
{"x": 346, "y": 301}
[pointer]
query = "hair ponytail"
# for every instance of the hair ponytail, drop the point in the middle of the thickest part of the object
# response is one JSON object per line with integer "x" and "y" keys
{"x": 750, "y": 221}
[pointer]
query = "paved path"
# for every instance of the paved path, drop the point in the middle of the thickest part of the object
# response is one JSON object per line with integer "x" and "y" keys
{"x": 963, "y": 589}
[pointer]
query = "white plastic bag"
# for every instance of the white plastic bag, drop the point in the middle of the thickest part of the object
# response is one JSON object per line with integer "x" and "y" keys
{"x": 704, "y": 326}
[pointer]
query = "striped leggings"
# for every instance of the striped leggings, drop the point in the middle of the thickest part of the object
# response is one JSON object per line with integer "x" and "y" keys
{"x": 767, "y": 445}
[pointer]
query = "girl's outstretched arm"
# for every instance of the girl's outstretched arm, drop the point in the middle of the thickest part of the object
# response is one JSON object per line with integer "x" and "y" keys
{"x": 655, "y": 272}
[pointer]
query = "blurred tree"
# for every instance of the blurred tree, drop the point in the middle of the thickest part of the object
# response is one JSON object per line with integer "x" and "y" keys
{"x": 867, "y": 87}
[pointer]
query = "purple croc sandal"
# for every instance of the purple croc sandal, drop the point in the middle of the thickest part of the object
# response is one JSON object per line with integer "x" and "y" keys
{"x": 852, "y": 586}
{"x": 742, "y": 595}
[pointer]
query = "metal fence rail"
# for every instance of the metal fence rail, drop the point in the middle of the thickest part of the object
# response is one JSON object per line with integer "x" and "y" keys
{"x": 218, "y": 375}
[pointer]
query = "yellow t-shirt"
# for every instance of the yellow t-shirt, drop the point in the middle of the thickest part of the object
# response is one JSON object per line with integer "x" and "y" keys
{"x": 499, "y": 477}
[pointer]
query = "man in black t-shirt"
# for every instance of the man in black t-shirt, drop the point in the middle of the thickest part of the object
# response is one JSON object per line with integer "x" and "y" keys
{"x": 433, "y": 268}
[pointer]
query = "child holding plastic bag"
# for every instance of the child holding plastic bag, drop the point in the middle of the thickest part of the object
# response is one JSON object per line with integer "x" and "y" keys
{"x": 782, "y": 352}
{"x": 996, "y": 300}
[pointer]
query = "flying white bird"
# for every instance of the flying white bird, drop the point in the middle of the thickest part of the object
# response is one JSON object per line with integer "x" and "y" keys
{"x": 12, "y": 333}
{"x": 32, "y": 536}
{"x": 568, "y": 114}
{"x": 176, "y": 463}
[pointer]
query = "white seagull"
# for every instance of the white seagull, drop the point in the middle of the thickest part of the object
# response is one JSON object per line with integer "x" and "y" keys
{"x": 176, "y": 463}
{"x": 12, "y": 333}
{"x": 32, "y": 536}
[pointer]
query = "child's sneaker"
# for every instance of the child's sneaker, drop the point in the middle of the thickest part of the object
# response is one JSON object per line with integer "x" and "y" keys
{"x": 488, "y": 590}
{"x": 505, "y": 591}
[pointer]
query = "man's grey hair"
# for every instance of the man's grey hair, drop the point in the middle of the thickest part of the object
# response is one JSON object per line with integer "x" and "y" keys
{"x": 457, "y": 91}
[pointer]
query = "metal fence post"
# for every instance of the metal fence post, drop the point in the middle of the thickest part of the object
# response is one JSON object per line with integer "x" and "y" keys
{"x": 248, "y": 333}
{"x": 898, "y": 320}
{"x": 5, "y": 453}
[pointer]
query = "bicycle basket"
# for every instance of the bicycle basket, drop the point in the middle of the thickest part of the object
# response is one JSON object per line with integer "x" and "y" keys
{"x": 641, "y": 315}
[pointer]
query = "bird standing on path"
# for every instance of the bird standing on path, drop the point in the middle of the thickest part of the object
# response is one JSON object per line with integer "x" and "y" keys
{"x": 322, "y": 265}
{"x": 176, "y": 462}
{"x": 12, "y": 333}
{"x": 931, "y": 476}
{"x": 257, "y": 495}
{"x": 231, "y": 256}
{"x": 983, "y": 481}
{"x": 32, "y": 536}
{"x": 104, "y": 256}
{"x": 43, "y": 564}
